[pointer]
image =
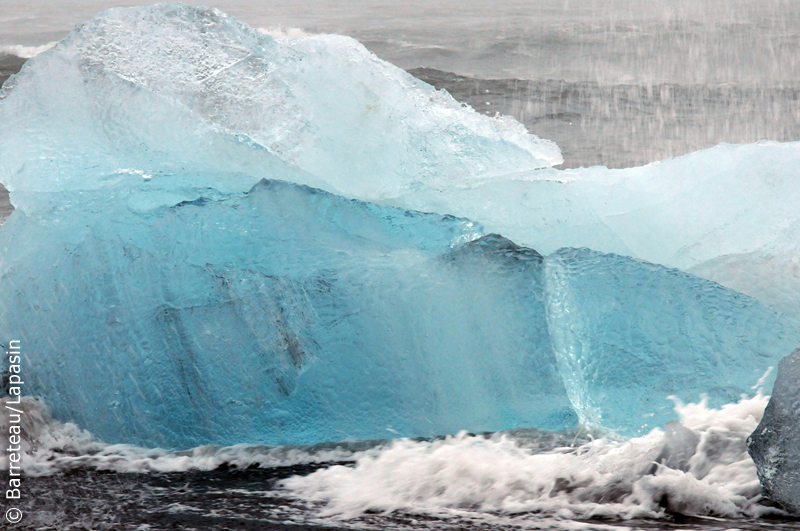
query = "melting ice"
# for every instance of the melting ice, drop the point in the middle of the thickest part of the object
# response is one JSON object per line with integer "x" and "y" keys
{"x": 211, "y": 219}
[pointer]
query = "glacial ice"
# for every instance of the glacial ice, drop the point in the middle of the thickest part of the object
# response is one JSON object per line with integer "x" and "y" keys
{"x": 220, "y": 237}
{"x": 728, "y": 214}
{"x": 628, "y": 334}
{"x": 172, "y": 88}
{"x": 775, "y": 443}
{"x": 283, "y": 315}
{"x": 290, "y": 315}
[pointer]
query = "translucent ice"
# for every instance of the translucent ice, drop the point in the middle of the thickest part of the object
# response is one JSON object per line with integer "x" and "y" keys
{"x": 728, "y": 214}
{"x": 282, "y": 315}
{"x": 159, "y": 91}
{"x": 291, "y": 315}
{"x": 629, "y": 334}
{"x": 775, "y": 444}
{"x": 168, "y": 88}
{"x": 168, "y": 294}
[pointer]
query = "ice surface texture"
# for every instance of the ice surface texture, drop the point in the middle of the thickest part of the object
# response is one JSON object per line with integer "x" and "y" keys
{"x": 176, "y": 282}
{"x": 775, "y": 444}
{"x": 174, "y": 87}
{"x": 291, "y": 315}
{"x": 728, "y": 214}
{"x": 283, "y": 315}
{"x": 162, "y": 90}
{"x": 628, "y": 334}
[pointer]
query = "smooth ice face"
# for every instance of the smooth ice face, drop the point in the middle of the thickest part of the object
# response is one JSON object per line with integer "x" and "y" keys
{"x": 628, "y": 334}
{"x": 165, "y": 89}
{"x": 775, "y": 444}
{"x": 283, "y": 315}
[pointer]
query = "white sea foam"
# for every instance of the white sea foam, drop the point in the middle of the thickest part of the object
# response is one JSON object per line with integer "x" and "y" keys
{"x": 699, "y": 467}
{"x": 26, "y": 52}
{"x": 51, "y": 447}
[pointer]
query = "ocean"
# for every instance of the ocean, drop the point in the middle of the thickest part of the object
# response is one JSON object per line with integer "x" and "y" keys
{"x": 619, "y": 84}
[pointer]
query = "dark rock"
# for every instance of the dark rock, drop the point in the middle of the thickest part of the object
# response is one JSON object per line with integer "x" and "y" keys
{"x": 775, "y": 445}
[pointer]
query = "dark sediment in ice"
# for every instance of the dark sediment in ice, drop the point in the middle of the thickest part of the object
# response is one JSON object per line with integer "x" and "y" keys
{"x": 775, "y": 445}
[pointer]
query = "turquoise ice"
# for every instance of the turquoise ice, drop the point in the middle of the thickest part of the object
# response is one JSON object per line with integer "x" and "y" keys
{"x": 163, "y": 89}
{"x": 628, "y": 334}
{"x": 290, "y": 315}
{"x": 221, "y": 237}
{"x": 281, "y": 315}
{"x": 160, "y": 90}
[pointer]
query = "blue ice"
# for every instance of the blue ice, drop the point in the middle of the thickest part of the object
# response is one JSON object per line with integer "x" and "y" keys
{"x": 221, "y": 237}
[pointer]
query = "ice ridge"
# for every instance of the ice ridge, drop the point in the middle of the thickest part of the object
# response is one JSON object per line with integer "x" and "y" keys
{"x": 174, "y": 87}
{"x": 167, "y": 89}
{"x": 301, "y": 315}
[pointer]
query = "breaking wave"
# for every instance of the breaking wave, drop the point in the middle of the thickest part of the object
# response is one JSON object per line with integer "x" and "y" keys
{"x": 279, "y": 32}
{"x": 25, "y": 52}
{"x": 697, "y": 467}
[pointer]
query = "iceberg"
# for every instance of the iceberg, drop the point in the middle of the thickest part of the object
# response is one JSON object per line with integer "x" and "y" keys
{"x": 175, "y": 90}
{"x": 287, "y": 314}
{"x": 775, "y": 444}
{"x": 221, "y": 237}
{"x": 171, "y": 88}
{"x": 726, "y": 214}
